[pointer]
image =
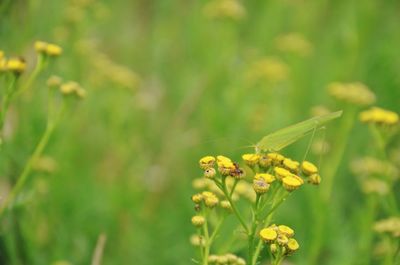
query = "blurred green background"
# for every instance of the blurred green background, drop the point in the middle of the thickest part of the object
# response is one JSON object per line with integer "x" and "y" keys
{"x": 169, "y": 82}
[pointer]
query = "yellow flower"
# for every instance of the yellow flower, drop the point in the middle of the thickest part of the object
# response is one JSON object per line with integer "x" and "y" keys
{"x": 207, "y": 162}
{"x": 308, "y": 168}
{"x": 40, "y": 46}
{"x": 294, "y": 43}
{"x": 291, "y": 165}
{"x": 268, "y": 178}
{"x": 268, "y": 235}
{"x": 231, "y": 9}
{"x": 16, "y": 65}
{"x": 269, "y": 69}
{"x": 53, "y": 50}
{"x": 264, "y": 161}
{"x": 197, "y": 198}
{"x": 355, "y": 93}
{"x": 225, "y": 165}
{"x": 226, "y": 205}
{"x": 292, "y": 245}
{"x": 210, "y": 199}
{"x": 210, "y": 173}
{"x": 282, "y": 239}
{"x": 314, "y": 179}
{"x": 276, "y": 158}
{"x": 251, "y": 159}
{"x": 198, "y": 220}
{"x": 281, "y": 172}
{"x": 54, "y": 81}
{"x": 286, "y": 230}
{"x": 291, "y": 183}
{"x": 260, "y": 186}
{"x": 379, "y": 116}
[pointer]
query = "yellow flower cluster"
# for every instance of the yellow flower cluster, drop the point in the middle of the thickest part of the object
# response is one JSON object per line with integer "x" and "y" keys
{"x": 390, "y": 225}
{"x": 15, "y": 65}
{"x": 268, "y": 69}
{"x": 225, "y": 166}
{"x": 280, "y": 239}
{"x": 293, "y": 43}
{"x": 379, "y": 116}
{"x": 49, "y": 49}
{"x": 354, "y": 93}
{"x": 285, "y": 170}
{"x": 231, "y": 9}
{"x": 72, "y": 88}
{"x": 227, "y": 259}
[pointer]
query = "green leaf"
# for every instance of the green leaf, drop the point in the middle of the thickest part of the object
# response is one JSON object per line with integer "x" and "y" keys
{"x": 280, "y": 139}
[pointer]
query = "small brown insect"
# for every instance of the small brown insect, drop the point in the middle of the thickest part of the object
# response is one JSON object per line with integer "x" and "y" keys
{"x": 237, "y": 172}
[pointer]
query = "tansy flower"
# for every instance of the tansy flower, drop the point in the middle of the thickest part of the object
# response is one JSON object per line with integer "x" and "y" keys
{"x": 231, "y": 9}
{"x": 251, "y": 159}
{"x": 308, "y": 168}
{"x": 314, "y": 179}
{"x": 293, "y": 43}
{"x": 281, "y": 172}
{"x": 268, "y": 178}
{"x": 264, "y": 161}
{"x": 198, "y": 220}
{"x": 286, "y": 230}
{"x": 291, "y": 165}
{"x": 207, "y": 162}
{"x": 355, "y": 93}
{"x": 260, "y": 186}
{"x": 16, "y": 65}
{"x": 292, "y": 245}
{"x": 291, "y": 183}
{"x": 379, "y": 116}
{"x": 276, "y": 158}
{"x": 210, "y": 173}
{"x": 268, "y": 235}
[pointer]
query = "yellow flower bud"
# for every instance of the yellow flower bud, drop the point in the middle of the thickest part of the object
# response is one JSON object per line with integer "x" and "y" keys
{"x": 291, "y": 183}
{"x": 286, "y": 230}
{"x": 207, "y": 162}
{"x": 264, "y": 161}
{"x": 197, "y": 198}
{"x": 210, "y": 173}
{"x": 314, "y": 179}
{"x": 276, "y": 158}
{"x": 292, "y": 245}
{"x": 266, "y": 177}
{"x": 226, "y": 205}
{"x": 282, "y": 240}
{"x": 260, "y": 186}
{"x": 268, "y": 235}
{"x": 308, "y": 168}
{"x": 273, "y": 248}
{"x": 40, "y": 46}
{"x": 281, "y": 172}
{"x": 251, "y": 159}
{"x": 198, "y": 220}
{"x": 16, "y": 65}
{"x": 54, "y": 81}
{"x": 53, "y": 50}
{"x": 291, "y": 165}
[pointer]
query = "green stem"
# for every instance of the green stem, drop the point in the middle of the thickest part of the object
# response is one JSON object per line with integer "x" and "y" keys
{"x": 267, "y": 222}
{"x": 207, "y": 238}
{"x": 235, "y": 210}
{"x": 28, "y": 167}
{"x": 253, "y": 228}
{"x": 5, "y": 103}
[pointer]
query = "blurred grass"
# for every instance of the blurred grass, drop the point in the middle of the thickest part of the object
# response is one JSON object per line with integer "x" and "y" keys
{"x": 126, "y": 157}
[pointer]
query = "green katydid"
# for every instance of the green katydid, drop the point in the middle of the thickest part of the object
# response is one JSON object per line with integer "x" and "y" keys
{"x": 280, "y": 139}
